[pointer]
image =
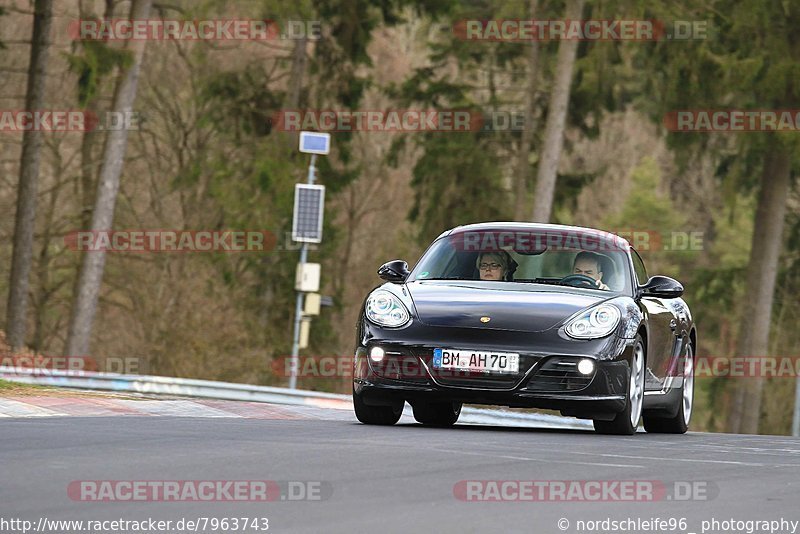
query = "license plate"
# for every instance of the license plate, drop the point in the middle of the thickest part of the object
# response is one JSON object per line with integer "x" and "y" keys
{"x": 470, "y": 360}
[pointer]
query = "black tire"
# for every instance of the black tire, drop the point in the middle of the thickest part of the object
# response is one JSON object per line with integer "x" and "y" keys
{"x": 680, "y": 423}
{"x": 624, "y": 424}
{"x": 441, "y": 414}
{"x": 375, "y": 415}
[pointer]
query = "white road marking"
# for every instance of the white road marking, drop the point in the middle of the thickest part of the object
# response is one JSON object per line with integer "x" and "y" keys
{"x": 12, "y": 408}
{"x": 528, "y": 459}
{"x": 175, "y": 408}
{"x": 686, "y": 460}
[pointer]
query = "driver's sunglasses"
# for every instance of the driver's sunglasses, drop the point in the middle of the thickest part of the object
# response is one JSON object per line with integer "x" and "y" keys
{"x": 486, "y": 266}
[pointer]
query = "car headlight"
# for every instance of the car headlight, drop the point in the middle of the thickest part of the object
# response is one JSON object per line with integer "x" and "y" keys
{"x": 595, "y": 322}
{"x": 385, "y": 309}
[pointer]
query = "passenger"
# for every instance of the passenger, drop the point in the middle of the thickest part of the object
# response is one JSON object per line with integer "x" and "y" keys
{"x": 493, "y": 265}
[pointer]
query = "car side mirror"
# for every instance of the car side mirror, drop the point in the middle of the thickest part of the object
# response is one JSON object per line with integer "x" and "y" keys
{"x": 661, "y": 287}
{"x": 394, "y": 271}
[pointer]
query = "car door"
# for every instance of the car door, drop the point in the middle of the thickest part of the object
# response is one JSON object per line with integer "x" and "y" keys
{"x": 661, "y": 337}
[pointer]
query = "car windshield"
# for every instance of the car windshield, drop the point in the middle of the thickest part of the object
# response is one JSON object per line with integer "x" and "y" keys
{"x": 556, "y": 257}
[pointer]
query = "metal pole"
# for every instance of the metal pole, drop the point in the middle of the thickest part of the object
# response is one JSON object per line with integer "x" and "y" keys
{"x": 298, "y": 309}
{"x": 312, "y": 170}
{"x": 796, "y": 420}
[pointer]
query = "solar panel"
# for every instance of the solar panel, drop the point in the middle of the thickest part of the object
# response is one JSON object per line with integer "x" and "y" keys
{"x": 309, "y": 206}
{"x": 315, "y": 142}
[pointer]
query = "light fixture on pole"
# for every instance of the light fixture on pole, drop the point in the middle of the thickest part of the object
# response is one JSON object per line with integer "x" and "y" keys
{"x": 309, "y": 207}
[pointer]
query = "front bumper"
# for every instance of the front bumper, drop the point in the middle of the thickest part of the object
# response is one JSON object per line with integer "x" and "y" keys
{"x": 547, "y": 377}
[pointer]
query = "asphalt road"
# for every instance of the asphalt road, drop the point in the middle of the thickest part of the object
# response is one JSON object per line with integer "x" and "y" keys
{"x": 392, "y": 479}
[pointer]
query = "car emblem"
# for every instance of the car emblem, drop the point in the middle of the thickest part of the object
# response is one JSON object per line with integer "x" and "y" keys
{"x": 485, "y": 319}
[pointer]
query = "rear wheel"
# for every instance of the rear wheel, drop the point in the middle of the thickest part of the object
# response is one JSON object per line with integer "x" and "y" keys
{"x": 437, "y": 413}
{"x": 375, "y": 415}
{"x": 680, "y": 423}
{"x": 627, "y": 420}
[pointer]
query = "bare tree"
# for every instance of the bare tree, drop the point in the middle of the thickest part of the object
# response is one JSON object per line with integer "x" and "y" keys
{"x": 91, "y": 273}
{"x": 297, "y": 73}
{"x": 762, "y": 271}
{"x": 556, "y": 121}
{"x": 89, "y": 142}
{"x": 28, "y": 179}
{"x": 523, "y": 164}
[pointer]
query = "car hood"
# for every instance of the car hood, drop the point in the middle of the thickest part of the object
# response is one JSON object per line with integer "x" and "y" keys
{"x": 509, "y": 306}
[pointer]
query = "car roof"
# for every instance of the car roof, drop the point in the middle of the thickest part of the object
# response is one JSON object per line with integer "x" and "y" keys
{"x": 532, "y": 227}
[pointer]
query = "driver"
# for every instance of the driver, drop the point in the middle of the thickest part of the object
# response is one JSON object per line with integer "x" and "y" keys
{"x": 590, "y": 264}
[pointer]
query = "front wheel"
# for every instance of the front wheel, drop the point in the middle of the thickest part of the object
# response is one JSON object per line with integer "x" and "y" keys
{"x": 440, "y": 414}
{"x": 680, "y": 423}
{"x": 375, "y": 415}
{"x": 627, "y": 420}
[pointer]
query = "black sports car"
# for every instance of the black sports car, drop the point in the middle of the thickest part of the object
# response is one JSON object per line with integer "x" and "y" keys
{"x": 527, "y": 315}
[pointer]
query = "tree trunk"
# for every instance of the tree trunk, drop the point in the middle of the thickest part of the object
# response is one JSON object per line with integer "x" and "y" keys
{"x": 28, "y": 179}
{"x": 297, "y": 72}
{"x": 556, "y": 121}
{"x": 91, "y": 273}
{"x": 89, "y": 162}
{"x": 762, "y": 271}
{"x": 523, "y": 164}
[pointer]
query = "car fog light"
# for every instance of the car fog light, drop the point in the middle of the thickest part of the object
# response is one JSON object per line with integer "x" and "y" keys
{"x": 376, "y": 354}
{"x": 586, "y": 367}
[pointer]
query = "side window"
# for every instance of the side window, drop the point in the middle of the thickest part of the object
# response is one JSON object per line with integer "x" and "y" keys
{"x": 638, "y": 267}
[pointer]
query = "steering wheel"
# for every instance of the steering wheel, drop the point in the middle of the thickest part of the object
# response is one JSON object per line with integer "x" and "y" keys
{"x": 579, "y": 280}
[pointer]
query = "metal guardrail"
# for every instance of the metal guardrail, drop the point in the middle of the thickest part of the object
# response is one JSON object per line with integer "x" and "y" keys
{"x": 162, "y": 385}
{"x": 209, "y": 389}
